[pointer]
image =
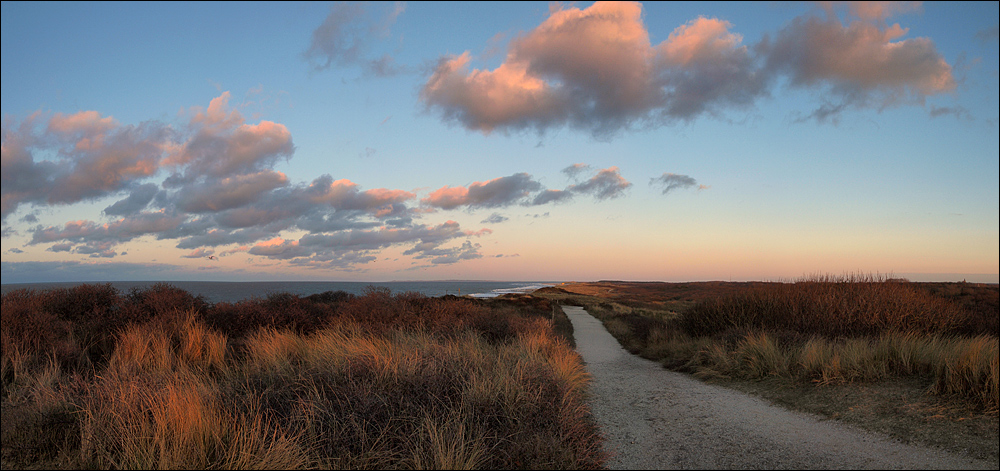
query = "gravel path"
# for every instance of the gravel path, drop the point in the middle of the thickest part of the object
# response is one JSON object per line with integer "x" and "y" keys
{"x": 653, "y": 418}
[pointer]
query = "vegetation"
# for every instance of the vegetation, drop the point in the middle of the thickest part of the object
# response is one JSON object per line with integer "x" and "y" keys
{"x": 93, "y": 378}
{"x": 803, "y": 343}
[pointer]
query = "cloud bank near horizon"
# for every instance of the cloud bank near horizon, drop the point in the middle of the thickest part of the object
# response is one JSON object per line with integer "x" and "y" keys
{"x": 210, "y": 185}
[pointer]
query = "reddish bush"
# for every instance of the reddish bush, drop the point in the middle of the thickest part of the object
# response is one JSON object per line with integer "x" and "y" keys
{"x": 278, "y": 310}
{"x": 837, "y": 308}
{"x": 162, "y": 299}
{"x": 31, "y": 329}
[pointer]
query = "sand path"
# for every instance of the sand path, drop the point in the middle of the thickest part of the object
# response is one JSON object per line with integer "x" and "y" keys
{"x": 653, "y": 418}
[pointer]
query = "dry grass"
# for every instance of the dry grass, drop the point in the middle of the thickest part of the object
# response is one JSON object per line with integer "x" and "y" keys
{"x": 379, "y": 381}
{"x": 825, "y": 330}
{"x": 932, "y": 384}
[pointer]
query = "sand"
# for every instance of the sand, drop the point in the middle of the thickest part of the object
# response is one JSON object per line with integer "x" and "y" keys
{"x": 653, "y": 418}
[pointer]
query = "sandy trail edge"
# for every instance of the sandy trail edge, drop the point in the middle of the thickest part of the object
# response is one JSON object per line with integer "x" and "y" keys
{"x": 653, "y": 418}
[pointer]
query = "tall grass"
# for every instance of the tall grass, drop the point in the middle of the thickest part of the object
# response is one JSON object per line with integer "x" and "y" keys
{"x": 826, "y": 330}
{"x": 377, "y": 381}
{"x": 958, "y": 366}
{"x": 846, "y": 306}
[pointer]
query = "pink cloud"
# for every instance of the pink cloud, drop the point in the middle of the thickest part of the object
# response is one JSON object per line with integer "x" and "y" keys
{"x": 93, "y": 157}
{"x": 595, "y": 69}
{"x": 199, "y": 253}
{"x": 700, "y": 40}
{"x": 344, "y": 194}
{"x": 448, "y": 197}
{"x": 873, "y": 10}
{"x": 494, "y": 193}
{"x": 86, "y": 122}
{"x": 218, "y": 116}
{"x": 223, "y": 145}
{"x": 479, "y": 233}
{"x": 279, "y": 248}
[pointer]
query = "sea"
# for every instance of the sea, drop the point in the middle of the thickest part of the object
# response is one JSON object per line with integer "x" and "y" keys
{"x": 232, "y": 291}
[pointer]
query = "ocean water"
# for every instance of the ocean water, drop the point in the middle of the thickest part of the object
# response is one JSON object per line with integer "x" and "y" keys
{"x": 225, "y": 291}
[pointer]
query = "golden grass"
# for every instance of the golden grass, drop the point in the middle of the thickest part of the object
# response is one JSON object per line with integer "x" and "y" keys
{"x": 174, "y": 393}
{"x": 957, "y": 366}
{"x": 448, "y": 444}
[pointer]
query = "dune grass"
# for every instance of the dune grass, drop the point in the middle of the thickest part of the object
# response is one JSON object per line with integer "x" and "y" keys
{"x": 822, "y": 330}
{"x": 338, "y": 381}
{"x": 904, "y": 372}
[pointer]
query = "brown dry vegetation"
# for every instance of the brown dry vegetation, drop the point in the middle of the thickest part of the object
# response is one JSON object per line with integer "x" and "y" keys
{"x": 93, "y": 378}
{"x": 813, "y": 344}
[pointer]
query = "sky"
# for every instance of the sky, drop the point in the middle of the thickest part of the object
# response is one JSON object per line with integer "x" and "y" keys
{"x": 521, "y": 141}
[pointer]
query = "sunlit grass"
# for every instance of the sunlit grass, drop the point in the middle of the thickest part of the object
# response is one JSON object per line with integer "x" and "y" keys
{"x": 387, "y": 382}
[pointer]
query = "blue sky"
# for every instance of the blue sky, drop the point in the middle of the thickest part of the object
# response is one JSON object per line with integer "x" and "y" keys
{"x": 513, "y": 141}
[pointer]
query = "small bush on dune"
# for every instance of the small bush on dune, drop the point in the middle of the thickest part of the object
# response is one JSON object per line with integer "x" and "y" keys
{"x": 161, "y": 300}
{"x": 278, "y": 310}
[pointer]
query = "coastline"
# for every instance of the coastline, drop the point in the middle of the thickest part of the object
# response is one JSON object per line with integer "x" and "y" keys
{"x": 232, "y": 291}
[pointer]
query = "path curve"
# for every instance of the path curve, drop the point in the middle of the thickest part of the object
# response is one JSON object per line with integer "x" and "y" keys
{"x": 653, "y": 418}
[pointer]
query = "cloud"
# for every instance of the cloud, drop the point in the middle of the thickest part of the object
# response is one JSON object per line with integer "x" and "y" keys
{"x": 522, "y": 189}
{"x": 230, "y": 192}
{"x": 877, "y": 11}
{"x": 122, "y": 230}
{"x": 574, "y": 171}
{"x": 222, "y": 144}
{"x": 92, "y": 157}
{"x": 76, "y": 271}
{"x": 103, "y": 249}
{"x": 863, "y": 64}
{"x": 708, "y": 70}
{"x": 199, "y": 253}
{"x": 96, "y": 157}
{"x": 672, "y": 181}
{"x": 468, "y": 251}
{"x": 136, "y": 201}
{"x": 988, "y": 35}
{"x": 346, "y": 36}
{"x": 495, "y": 218}
{"x": 595, "y": 69}
{"x": 607, "y": 184}
{"x": 280, "y": 249}
{"x": 209, "y": 186}
{"x": 959, "y": 112}
{"x": 495, "y": 193}
{"x": 344, "y": 248}
{"x": 552, "y": 196}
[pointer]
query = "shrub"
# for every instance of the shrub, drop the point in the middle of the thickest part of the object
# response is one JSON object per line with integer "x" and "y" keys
{"x": 850, "y": 306}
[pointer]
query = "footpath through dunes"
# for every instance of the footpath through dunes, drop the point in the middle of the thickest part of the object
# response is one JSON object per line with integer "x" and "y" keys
{"x": 653, "y": 418}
